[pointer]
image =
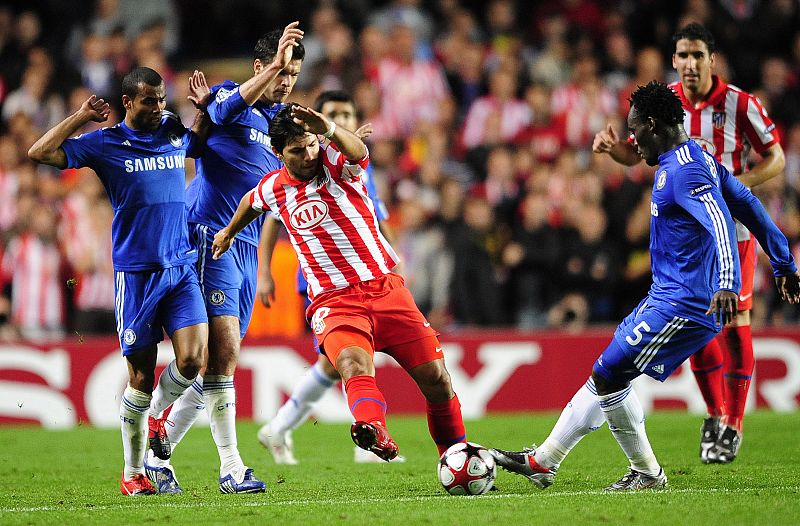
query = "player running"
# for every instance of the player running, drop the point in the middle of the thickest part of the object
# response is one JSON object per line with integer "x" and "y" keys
{"x": 340, "y": 108}
{"x": 238, "y": 153}
{"x": 358, "y": 305}
{"x": 694, "y": 293}
{"x": 140, "y": 162}
{"x": 727, "y": 122}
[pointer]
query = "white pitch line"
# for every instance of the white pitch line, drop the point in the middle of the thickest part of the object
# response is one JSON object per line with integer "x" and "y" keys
{"x": 343, "y": 501}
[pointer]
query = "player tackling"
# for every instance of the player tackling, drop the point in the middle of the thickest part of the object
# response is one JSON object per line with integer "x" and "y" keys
{"x": 696, "y": 281}
{"x": 358, "y": 306}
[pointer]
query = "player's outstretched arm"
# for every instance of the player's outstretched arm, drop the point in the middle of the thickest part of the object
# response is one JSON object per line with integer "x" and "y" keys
{"x": 265, "y": 286}
{"x": 623, "y": 152}
{"x": 47, "y": 150}
{"x": 771, "y": 164}
{"x": 351, "y": 146}
{"x": 245, "y": 214}
{"x": 254, "y": 87}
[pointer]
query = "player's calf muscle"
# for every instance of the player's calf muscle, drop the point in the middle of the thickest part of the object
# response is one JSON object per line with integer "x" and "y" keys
{"x": 433, "y": 380}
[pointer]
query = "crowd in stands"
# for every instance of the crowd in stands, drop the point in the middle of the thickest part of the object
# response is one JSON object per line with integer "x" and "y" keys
{"x": 483, "y": 116}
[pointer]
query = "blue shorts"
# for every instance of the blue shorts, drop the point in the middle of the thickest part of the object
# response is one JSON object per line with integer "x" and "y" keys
{"x": 229, "y": 283}
{"x": 149, "y": 303}
{"x": 652, "y": 342}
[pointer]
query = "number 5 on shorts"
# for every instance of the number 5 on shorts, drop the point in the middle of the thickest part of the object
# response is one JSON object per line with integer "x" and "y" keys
{"x": 637, "y": 331}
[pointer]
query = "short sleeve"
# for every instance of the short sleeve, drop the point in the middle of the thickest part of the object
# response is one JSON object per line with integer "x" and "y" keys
{"x": 84, "y": 149}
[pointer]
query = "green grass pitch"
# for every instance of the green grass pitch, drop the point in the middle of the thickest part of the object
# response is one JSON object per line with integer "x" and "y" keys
{"x": 72, "y": 477}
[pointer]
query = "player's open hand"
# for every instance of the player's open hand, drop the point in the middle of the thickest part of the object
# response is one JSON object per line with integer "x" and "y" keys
{"x": 98, "y": 110}
{"x": 605, "y": 140}
{"x": 199, "y": 92}
{"x": 265, "y": 290}
{"x": 312, "y": 121}
{"x": 289, "y": 39}
{"x": 222, "y": 243}
{"x": 364, "y": 131}
{"x": 724, "y": 305}
{"x": 789, "y": 287}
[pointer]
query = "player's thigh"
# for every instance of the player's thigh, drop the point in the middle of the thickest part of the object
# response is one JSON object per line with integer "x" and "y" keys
{"x": 228, "y": 283}
{"x": 138, "y": 296}
{"x": 351, "y": 351}
{"x": 652, "y": 342}
{"x": 183, "y": 306}
{"x": 396, "y": 317}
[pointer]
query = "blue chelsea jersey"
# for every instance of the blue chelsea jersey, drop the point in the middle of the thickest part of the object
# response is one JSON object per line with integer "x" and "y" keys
{"x": 143, "y": 175}
{"x": 238, "y": 154}
{"x": 693, "y": 245}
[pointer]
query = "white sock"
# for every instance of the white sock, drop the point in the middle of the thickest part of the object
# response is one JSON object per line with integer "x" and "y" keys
{"x": 625, "y": 418}
{"x": 581, "y": 416}
{"x": 133, "y": 420}
{"x": 184, "y": 412}
{"x": 220, "y": 399}
{"x": 171, "y": 385}
{"x": 314, "y": 384}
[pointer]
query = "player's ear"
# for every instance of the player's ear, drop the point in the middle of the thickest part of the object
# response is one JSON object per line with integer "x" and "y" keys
{"x": 127, "y": 102}
{"x": 257, "y": 66}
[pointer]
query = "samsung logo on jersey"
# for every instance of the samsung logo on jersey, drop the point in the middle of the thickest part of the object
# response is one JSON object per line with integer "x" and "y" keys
{"x": 148, "y": 164}
{"x": 260, "y": 137}
{"x": 701, "y": 189}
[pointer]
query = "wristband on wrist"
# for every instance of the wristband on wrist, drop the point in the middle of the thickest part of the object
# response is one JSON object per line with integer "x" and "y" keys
{"x": 328, "y": 134}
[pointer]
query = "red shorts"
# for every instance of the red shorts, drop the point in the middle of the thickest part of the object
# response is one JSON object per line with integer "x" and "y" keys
{"x": 381, "y": 308}
{"x": 747, "y": 263}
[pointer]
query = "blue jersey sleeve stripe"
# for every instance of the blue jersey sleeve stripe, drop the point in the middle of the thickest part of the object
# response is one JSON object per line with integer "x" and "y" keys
{"x": 724, "y": 249}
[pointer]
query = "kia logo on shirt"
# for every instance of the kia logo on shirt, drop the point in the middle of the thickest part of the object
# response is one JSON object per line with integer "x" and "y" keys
{"x": 309, "y": 215}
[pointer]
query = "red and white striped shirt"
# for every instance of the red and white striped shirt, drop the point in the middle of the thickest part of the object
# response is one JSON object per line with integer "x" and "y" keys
{"x": 728, "y": 123}
{"x": 331, "y": 223}
{"x": 34, "y": 268}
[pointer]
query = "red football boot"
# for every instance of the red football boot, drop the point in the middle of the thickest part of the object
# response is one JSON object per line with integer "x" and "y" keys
{"x": 374, "y": 437}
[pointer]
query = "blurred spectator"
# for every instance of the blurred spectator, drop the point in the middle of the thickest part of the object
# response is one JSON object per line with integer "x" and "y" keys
{"x": 409, "y": 14}
{"x": 85, "y": 234}
{"x": 34, "y": 98}
{"x": 545, "y": 136}
{"x": 477, "y": 290}
{"x": 497, "y": 117}
{"x": 585, "y": 103}
{"x": 533, "y": 257}
{"x": 33, "y": 266}
{"x": 419, "y": 245}
{"x": 411, "y": 88}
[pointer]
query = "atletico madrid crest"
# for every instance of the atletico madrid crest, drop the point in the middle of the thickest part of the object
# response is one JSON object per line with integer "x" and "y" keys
{"x": 718, "y": 119}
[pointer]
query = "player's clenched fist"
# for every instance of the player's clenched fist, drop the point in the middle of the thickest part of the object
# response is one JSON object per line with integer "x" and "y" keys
{"x": 605, "y": 140}
{"x": 222, "y": 243}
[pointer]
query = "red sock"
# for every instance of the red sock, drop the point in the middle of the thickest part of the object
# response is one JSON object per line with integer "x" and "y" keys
{"x": 445, "y": 423}
{"x": 707, "y": 368}
{"x": 739, "y": 364}
{"x": 365, "y": 399}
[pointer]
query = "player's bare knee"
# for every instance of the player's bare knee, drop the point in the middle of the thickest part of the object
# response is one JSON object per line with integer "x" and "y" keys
{"x": 142, "y": 380}
{"x": 606, "y": 387}
{"x": 354, "y": 361}
{"x": 190, "y": 363}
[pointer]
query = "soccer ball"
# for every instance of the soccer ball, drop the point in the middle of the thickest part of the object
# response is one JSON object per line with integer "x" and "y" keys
{"x": 467, "y": 469}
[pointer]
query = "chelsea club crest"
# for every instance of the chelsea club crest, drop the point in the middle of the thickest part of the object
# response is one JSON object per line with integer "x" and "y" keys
{"x": 174, "y": 140}
{"x": 217, "y": 297}
{"x": 662, "y": 180}
{"x": 129, "y": 337}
